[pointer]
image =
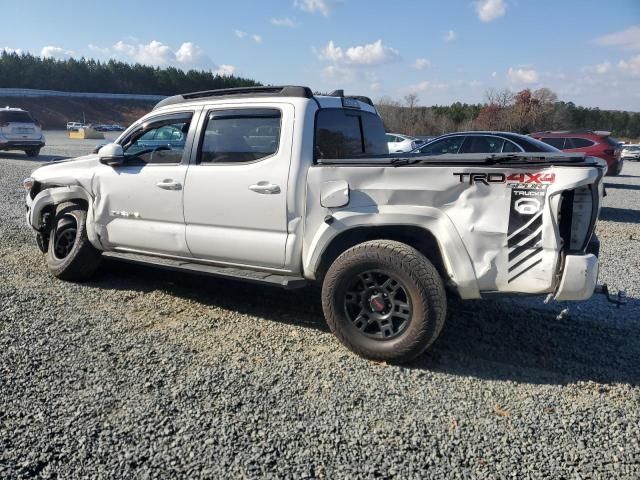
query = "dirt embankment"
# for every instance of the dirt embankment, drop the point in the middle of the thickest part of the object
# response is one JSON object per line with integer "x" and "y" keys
{"x": 55, "y": 112}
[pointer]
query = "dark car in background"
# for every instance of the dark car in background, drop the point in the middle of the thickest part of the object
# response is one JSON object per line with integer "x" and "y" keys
{"x": 482, "y": 142}
{"x": 594, "y": 143}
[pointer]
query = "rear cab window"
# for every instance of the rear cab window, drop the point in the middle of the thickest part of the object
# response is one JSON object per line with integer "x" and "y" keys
{"x": 343, "y": 133}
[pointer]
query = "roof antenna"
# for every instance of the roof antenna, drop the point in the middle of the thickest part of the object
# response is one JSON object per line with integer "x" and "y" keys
{"x": 337, "y": 93}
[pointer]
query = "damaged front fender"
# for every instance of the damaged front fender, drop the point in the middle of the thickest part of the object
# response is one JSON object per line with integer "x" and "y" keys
{"x": 54, "y": 196}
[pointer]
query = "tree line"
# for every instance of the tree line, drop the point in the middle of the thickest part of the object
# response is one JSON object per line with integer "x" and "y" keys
{"x": 88, "y": 75}
{"x": 525, "y": 111}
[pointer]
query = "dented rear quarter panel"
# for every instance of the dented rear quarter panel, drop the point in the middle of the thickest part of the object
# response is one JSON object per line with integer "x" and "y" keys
{"x": 487, "y": 245}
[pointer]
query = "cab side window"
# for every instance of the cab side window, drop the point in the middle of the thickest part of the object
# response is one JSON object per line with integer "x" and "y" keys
{"x": 160, "y": 141}
{"x": 240, "y": 135}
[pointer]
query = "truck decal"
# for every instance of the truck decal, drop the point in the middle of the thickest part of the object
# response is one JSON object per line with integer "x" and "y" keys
{"x": 524, "y": 232}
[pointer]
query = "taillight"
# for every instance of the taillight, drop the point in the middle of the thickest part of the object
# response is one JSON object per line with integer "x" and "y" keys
{"x": 609, "y": 151}
{"x": 577, "y": 218}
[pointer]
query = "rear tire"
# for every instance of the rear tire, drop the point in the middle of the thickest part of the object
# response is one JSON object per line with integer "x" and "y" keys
{"x": 70, "y": 255}
{"x": 32, "y": 152}
{"x": 384, "y": 301}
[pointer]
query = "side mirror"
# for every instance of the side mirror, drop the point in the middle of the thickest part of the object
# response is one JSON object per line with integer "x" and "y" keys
{"x": 98, "y": 147}
{"x": 111, "y": 154}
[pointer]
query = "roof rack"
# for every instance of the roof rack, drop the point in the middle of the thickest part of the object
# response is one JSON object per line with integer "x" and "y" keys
{"x": 270, "y": 91}
{"x": 360, "y": 98}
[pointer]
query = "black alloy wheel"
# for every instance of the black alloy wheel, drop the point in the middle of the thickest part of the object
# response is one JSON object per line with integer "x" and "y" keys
{"x": 378, "y": 304}
{"x": 66, "y": 232}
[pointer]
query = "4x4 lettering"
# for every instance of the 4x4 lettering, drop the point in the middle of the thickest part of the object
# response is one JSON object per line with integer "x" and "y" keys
{"x": 532, "y": 177}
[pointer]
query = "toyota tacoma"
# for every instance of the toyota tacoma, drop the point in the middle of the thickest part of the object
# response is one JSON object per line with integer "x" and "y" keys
{"x": 279, "y": 186}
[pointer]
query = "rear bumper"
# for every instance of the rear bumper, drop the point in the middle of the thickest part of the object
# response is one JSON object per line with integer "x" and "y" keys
{"x": 579, "y": 278}
{"x": 20, "y": 144}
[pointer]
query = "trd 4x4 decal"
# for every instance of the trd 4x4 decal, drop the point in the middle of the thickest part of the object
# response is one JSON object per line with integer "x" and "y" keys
{"x": 533, "y": 180}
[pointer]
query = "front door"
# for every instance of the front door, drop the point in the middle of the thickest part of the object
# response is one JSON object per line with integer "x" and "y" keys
{"x": 140, "y": 202}
{"x": 235, "y": 199}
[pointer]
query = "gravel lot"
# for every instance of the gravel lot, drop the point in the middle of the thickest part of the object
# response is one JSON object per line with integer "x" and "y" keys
{"x": 144, "y": 374}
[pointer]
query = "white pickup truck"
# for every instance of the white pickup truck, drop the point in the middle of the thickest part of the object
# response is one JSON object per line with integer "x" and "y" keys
{"x": 280, "y": 186}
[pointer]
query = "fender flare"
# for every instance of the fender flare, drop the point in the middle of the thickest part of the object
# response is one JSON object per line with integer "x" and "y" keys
{"x": 56, "y": 195}
{"x": 454, "y": 254}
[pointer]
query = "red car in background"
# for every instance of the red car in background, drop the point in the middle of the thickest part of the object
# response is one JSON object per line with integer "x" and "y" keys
{"x": 593, "y": 143}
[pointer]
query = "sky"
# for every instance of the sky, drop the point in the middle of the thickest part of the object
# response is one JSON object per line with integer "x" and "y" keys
{"x": 586, "y": 51}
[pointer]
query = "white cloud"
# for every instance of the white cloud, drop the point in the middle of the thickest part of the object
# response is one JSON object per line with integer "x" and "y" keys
{"x": 256, "y": 38}
{"x": 55, "y": 52}
{"x": 283, "y": 22}
{"x": 124, "y": 48}
{"x": 628, "y": 39}
{"x": 522, "y": 75}
{"x": 187, "y": 56}
{"x": 240, "y": 33}
{"x": 494, "y": 74}
{"x": 450, "y": 36}
{"x": 190, "y": 54}
{"x": 314, "y": 6}
{"x": 421, "y": 63}
{"x": 225, "y": 70}
{"x": 19, "y": 51}
{"x": 631, "y": 66}
{"x": 360, "y": 55}
{"x": 154, "y": 53}
{"x": 489, "y": 10}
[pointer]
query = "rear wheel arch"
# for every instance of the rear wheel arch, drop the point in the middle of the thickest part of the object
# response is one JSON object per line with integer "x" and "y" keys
{"x": 417, "y": 237}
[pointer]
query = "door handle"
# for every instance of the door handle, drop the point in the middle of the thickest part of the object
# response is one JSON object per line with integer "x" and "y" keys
{"x": 169, "y": 184}
{"x": 264, "y": 187}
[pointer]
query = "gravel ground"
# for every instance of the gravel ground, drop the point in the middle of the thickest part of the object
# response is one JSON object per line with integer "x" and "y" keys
{"x": 144, "y": 374}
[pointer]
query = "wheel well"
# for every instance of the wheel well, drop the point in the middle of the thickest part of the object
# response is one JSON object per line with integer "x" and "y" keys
{"x": 47, "y": 213}
{"x": 419, "y": 238}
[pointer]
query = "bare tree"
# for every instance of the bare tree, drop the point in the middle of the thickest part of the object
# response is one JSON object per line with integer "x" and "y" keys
{"x": 411, "y": 100}
{"x": 501, "y": 97}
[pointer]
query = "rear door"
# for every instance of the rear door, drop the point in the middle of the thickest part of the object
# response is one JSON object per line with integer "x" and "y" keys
{"x": 235, "y": 199}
